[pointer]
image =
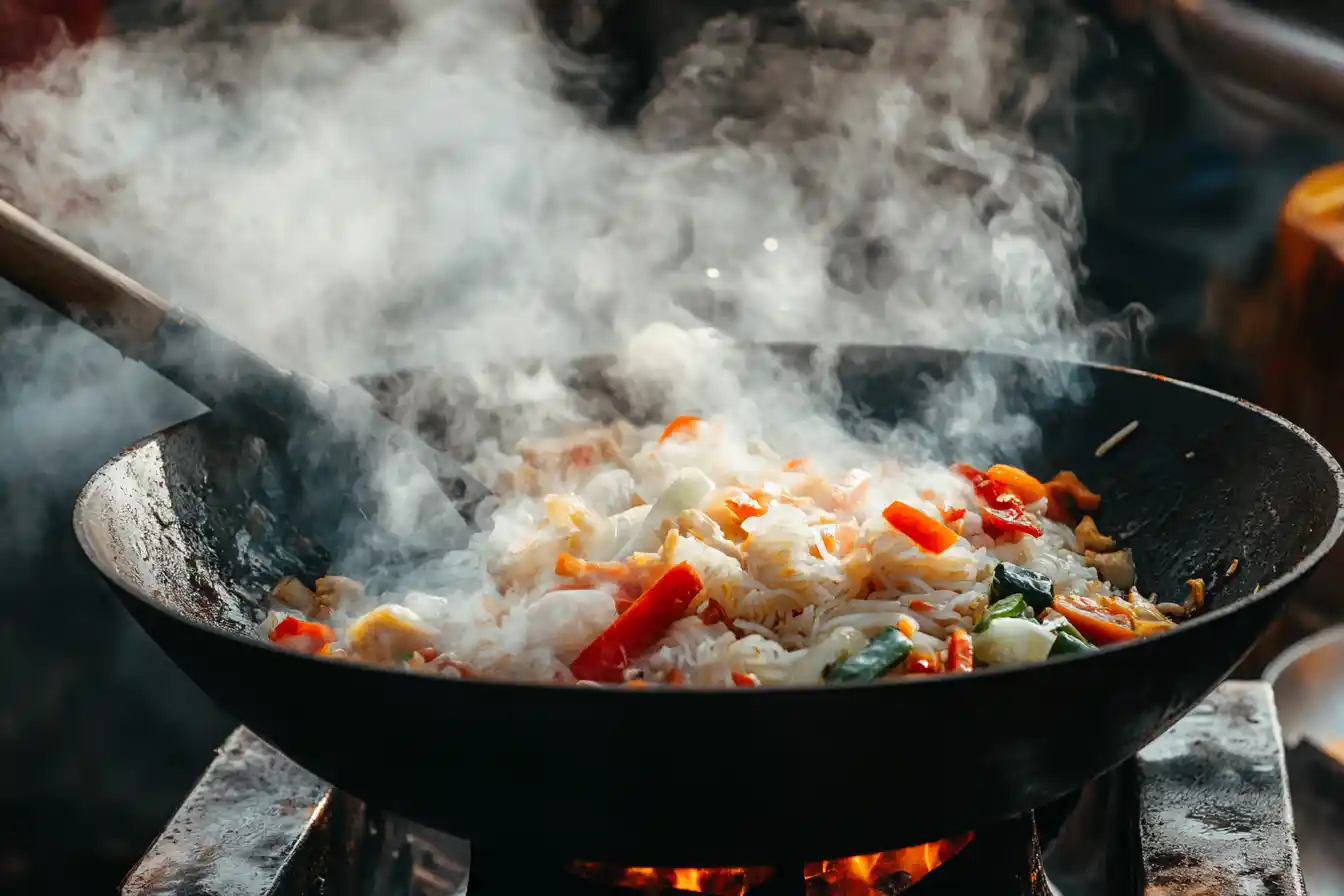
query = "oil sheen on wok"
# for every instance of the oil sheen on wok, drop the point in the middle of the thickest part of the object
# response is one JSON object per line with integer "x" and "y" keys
{"x": 690, "y": 556}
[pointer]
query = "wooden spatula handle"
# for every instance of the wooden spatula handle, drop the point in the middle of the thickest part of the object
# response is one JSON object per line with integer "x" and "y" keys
{"x": 63, "y": 276}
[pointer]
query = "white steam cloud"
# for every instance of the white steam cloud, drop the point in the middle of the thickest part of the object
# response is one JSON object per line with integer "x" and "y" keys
{"x": 839, "y": 170}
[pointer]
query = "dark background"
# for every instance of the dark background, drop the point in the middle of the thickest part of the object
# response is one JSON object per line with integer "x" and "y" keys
{"x": 100, "y": 735}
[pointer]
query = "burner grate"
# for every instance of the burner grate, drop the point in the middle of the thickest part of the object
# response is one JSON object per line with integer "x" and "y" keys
{"x": 1204, "y": 809}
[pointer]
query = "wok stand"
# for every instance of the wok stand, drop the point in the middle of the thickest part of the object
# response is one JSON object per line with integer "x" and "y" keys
{"x": 1203, "y": 809}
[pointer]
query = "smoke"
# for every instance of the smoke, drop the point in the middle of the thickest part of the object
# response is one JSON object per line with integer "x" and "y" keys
{"x": 846, "y": 170}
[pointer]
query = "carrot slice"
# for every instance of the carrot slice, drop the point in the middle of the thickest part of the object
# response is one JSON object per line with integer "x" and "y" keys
{"x": 745, "y": 680}
{"x": 683, "y": 427}
{"x": 639, "y": 627}
{"x": 1019, "y": 482}
{"x": 919, "y": 527}
{"x": 960, "y": 653}
{"x": 1093, "y": 621}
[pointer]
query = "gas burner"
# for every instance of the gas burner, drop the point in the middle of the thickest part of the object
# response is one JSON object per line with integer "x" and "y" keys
{"x": 1203, "y": 809}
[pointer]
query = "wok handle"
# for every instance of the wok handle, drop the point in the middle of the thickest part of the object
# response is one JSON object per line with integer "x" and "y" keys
{"x": 201, "y": 361}
{"x": 73, "y": 282}
{"x": 141, "y": 325}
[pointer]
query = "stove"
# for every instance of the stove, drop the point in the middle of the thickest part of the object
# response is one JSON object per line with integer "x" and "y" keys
{"x": 1204, "y": 809}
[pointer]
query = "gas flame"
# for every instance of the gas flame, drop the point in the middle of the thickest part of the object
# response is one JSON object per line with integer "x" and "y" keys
{"x": 874, "y": 874}
{"x": 882, "y": 872}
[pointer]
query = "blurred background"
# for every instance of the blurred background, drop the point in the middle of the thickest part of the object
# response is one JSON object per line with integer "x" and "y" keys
{"x": 1212, "y": 113}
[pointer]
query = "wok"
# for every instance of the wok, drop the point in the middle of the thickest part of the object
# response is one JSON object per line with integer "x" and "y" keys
{"x": 189, "y": 527}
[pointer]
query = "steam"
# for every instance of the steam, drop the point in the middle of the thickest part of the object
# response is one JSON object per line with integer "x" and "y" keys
{"x": 852, "y": 170}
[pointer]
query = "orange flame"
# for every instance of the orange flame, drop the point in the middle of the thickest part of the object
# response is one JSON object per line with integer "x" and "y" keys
{"x": 712, "y": 881}
{"x": 866, "y": 875}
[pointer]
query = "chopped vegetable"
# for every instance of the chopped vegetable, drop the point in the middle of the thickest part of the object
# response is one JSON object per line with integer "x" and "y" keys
{"x": 1036, "y": 589}
{"x": 686, "y": 491}
{"x": 681, "y": 428}
{"x": 293, "y": 633}
{"x": 1115, "y": 567}
{"x": 1019, "y": 482}
{"x": 960, "y": 652}
{"x": 1195, "y": 600}
{"x": 1014, "y": 641}
{"x": 640, "y": 627}
{"x": 387, "y": 632}
{"x": 1067, "y": 489}
{"x": 676, "y": 677}
{"x": 952, "y": 514}
{"x": 1148, "y": 619}
{"x": 293, "y": 593}
{"x": 1067, "y": 642}
{"x": 331, "y": 590}
{"x": 884, "y": 651}
{"x": 745, "y": 680}
{"x": 743, "y": 505}
{"x": 907, "y": 626}
{"x": 1097, "y": 624}
{"x": 1014, "y": 606}
{"x": 1090, "y": 537}
{"x": 922, "y": 662}
{"x": 840, "y": 643}
{"x": 919, "y": 527}
{"x": 1000, "y": 510}
{"x": 1054, "y": 621}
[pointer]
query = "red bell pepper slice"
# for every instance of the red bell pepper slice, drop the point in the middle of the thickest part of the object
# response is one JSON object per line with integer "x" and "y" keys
{"x": 1000, "y": 509}
{"x": 305, "y": 637}
{"x": 639, "y": 627}
{"x": 960, "y": 653}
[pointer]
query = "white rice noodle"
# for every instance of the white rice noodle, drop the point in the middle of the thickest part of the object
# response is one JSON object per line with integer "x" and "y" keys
{"x": 805, "y": 593}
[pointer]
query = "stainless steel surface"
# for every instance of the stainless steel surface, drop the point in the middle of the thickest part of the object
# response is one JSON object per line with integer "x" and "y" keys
{"x": 1308, "y": 682}
{"x": 1214, "y": 812}
{"x": 252, "y": 814}
{"x": 1299, "y": 65}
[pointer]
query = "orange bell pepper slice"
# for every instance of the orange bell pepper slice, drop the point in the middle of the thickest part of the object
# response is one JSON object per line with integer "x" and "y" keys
{"x": 919, "y": 527}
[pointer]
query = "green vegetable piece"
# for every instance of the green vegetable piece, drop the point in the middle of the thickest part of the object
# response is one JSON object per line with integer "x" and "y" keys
{"x": 1067, "y": 642}
{"x": 1036, "y": 589}
{"x": 1057, "y": 623}
{"x": 887, "y": 649}
{"x": 1014, "y": 607}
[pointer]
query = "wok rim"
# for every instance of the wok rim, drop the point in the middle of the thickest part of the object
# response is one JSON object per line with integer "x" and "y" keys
{"x": 1299, "y": 569}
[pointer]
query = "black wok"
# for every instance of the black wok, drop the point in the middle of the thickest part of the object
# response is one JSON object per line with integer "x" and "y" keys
{"x": 188, "y": 532}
